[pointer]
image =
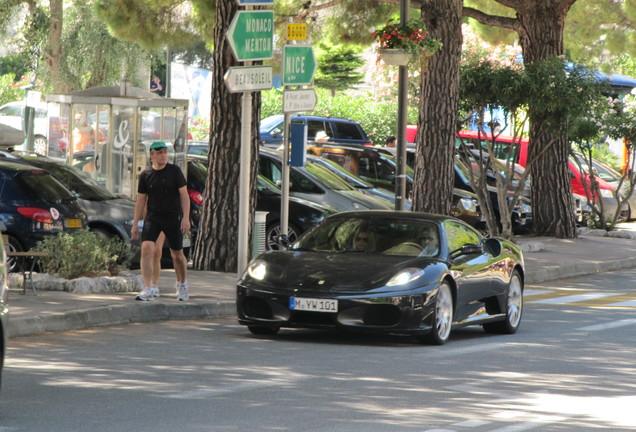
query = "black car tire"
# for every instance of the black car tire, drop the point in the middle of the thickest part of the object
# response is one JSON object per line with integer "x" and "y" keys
{"x": 103, "y": 234}
{"x": 273, "y": 230}
{"x": 13, "y": 245}
{"x": 514, "y": 309}
{"x": 263, "y": 330}
{"x": 442, "y": 319}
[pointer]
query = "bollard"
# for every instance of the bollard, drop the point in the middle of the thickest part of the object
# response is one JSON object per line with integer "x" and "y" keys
{"x": 259, "y": 235}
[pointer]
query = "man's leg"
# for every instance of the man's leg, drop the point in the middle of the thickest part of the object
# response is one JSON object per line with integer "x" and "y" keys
{"x": 180, "y": 264}
{"x": 147, "y": 264}
{"x": 156, "y": 268}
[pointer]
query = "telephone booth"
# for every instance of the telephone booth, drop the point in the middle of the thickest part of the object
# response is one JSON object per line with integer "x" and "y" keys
{"x": 107, "y": 132}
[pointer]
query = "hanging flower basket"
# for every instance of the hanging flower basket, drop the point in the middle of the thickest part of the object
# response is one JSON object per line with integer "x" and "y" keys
{"x": 411, "y": 39}
{"x": 393, "y": 56}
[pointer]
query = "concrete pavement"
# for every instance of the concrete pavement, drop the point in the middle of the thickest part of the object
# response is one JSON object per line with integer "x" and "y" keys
{"x": 213, "y": 293}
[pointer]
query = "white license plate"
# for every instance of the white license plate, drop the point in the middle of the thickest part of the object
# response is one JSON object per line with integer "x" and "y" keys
{"x": 313, "y": 304}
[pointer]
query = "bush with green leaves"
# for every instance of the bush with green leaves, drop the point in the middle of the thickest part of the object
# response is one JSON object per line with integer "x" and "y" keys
{"x": 83, "y": 254}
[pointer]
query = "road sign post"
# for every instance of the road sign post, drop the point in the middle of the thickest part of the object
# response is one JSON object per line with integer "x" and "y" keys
{"x": 299, "y": 65}
{"x": 299, "y": 100}
{"x": 251, "y": 35}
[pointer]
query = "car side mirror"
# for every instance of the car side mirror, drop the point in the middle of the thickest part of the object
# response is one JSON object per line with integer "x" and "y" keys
{"x": 282, "y": 241}
{"x": 276, "y": 133}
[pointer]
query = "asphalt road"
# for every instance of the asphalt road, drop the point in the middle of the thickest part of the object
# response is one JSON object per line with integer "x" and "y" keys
{"x": 570, "y": 368}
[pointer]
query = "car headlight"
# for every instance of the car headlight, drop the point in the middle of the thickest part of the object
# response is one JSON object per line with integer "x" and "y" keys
{"x": 257, "y": 270}
{"x": 468, "y": 204}
{"x": 405, "y": 276}
{"x": 607, "y": 193}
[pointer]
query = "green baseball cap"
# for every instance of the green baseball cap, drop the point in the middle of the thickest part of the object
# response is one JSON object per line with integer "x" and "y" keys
{"x": 158, "y": 145}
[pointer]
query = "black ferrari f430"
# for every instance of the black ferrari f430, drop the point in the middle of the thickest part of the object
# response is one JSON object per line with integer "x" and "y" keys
{"x": 383, "y": 271}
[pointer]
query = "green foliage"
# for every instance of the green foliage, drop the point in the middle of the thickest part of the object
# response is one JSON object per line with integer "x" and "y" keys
{"x": 200, "y": 128}
{"x": 411, "y": 37}
{"x": 83, "y": 253}
{"x": 10, "y": 88}
{"x": 337, "y": 67}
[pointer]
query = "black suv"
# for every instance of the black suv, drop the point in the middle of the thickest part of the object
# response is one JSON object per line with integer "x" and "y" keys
{"x": 331, "y": 129}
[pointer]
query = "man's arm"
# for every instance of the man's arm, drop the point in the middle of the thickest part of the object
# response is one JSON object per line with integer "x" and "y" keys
{"x": 185, "y": 209}
{"x": 140, "y": 209}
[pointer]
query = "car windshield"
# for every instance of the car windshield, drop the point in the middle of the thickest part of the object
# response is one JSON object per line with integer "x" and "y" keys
{"x": 198, "y": 173}
{"x": 374, "y": 234}
{"x": 198, "y": 150}
{"x": 41, "y": 186}
{"x": 81, "y": 184}
{"x": 270, "y": 122}
{"x": 327, "y": 178}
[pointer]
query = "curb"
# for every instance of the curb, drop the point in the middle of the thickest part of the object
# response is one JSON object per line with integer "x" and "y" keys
{"x": 578, "y": 269}
{"x": 116, "y": 315}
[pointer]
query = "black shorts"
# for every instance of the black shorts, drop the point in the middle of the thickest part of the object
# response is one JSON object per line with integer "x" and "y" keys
{"x": 172, "y": 230}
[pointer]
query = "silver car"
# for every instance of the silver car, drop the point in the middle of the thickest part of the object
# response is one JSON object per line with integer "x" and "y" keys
{"x": 317, "y": 184}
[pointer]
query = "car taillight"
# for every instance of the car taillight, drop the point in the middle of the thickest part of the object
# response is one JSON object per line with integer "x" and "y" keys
{"x": 196, "y": 196}
{"x": 368, "y": 144}
{"x": 37, "y": 214}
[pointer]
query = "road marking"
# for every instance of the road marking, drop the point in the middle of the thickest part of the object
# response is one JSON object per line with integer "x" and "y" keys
{"x": 574, "y": 298}
{"x": 532, "y": 292}
{"x": 609, "y": 325}
{"x": 628, "y": 303}
{"x": 471, "y": 423}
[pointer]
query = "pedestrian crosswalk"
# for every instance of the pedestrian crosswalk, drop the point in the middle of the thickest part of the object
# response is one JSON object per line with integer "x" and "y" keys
{"x": 579, "y": 297}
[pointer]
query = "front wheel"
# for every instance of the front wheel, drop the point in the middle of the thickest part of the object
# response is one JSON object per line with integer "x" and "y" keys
{"x": 442, "y": 316}
{"x": 514, "y": 309}
{"x": 273, "y": 231}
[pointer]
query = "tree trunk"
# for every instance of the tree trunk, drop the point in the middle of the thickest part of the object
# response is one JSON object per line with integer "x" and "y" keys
{"x": 53, "y": 52}
{"x": 541, "y": 37}
{"x": 433, "y": 183}
{"x": 216, "y": 247}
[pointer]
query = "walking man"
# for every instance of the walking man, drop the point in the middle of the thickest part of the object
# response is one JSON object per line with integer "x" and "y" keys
{"x": 162, "y": 189}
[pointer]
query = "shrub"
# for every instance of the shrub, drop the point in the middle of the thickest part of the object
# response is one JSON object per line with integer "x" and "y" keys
{"x": 83, "y": 253}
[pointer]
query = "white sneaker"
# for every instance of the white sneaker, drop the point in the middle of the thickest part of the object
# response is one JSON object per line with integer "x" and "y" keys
{"x": 182, "y": 291}
{"x": 148, "y": 294}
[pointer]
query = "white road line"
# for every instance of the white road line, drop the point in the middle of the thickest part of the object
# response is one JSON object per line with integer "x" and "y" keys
{"x": 631, "y": 303}
{"x": 521, "y": 427}
{"x": 609, "y": 325}
{"x": 447, "y": 351}
{"x": 471, "y": 423}
{"x": 574, "y": 298}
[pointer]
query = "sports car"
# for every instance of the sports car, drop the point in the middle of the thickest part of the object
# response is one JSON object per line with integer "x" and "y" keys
{"x": 404, "y": 273}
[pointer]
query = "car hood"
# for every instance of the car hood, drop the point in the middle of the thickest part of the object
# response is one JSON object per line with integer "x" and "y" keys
{"x": 338, "y": 273}
{"x": 115, "y": 209}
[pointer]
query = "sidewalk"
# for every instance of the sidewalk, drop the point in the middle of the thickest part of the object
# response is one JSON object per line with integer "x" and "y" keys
{"x": 213, "y": 293}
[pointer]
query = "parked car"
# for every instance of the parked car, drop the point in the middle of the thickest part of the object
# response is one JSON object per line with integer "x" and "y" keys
{"x": 108, "y": 215}
{"x": 4, "y": 302}
{"x": 333, "y": 129}
{"x": 387, "y": 272}
{"x": 359, "y": 183}
{"x": 379, "y": 168}
{"x": 33, "y": 205}
{"x": 303, "y": 214}
{"x": 12, "y": 114}
{"x": 317, "y": 184}
{"x": 10, "y": 137}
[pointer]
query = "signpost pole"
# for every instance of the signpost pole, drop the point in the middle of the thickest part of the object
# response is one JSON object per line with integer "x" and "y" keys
{"x": 244, "y": 182}
{"x": 400, "y": 184}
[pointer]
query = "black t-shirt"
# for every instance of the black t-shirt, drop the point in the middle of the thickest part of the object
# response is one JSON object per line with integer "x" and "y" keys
{"x": 162, "y": 187}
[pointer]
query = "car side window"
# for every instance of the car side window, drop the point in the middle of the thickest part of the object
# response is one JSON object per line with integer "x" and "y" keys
{"x": 458, "y": 235}
{"x": 300, "y": 183}
{"x": 315, "y": 126}
{"x": 337, "y": 158}
{"x": 347, "y": 131}
{"x": 12, "y": 111}
{"x": 366, "y": 169}
{"x": 268, "y": 169}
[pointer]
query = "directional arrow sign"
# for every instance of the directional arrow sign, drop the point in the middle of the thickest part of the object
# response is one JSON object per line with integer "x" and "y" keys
{"x": 248, "y": 78}
{"x": 299, "y": 65}
{"x": 251, "y": 35}
{"x": 299, "y": 100}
